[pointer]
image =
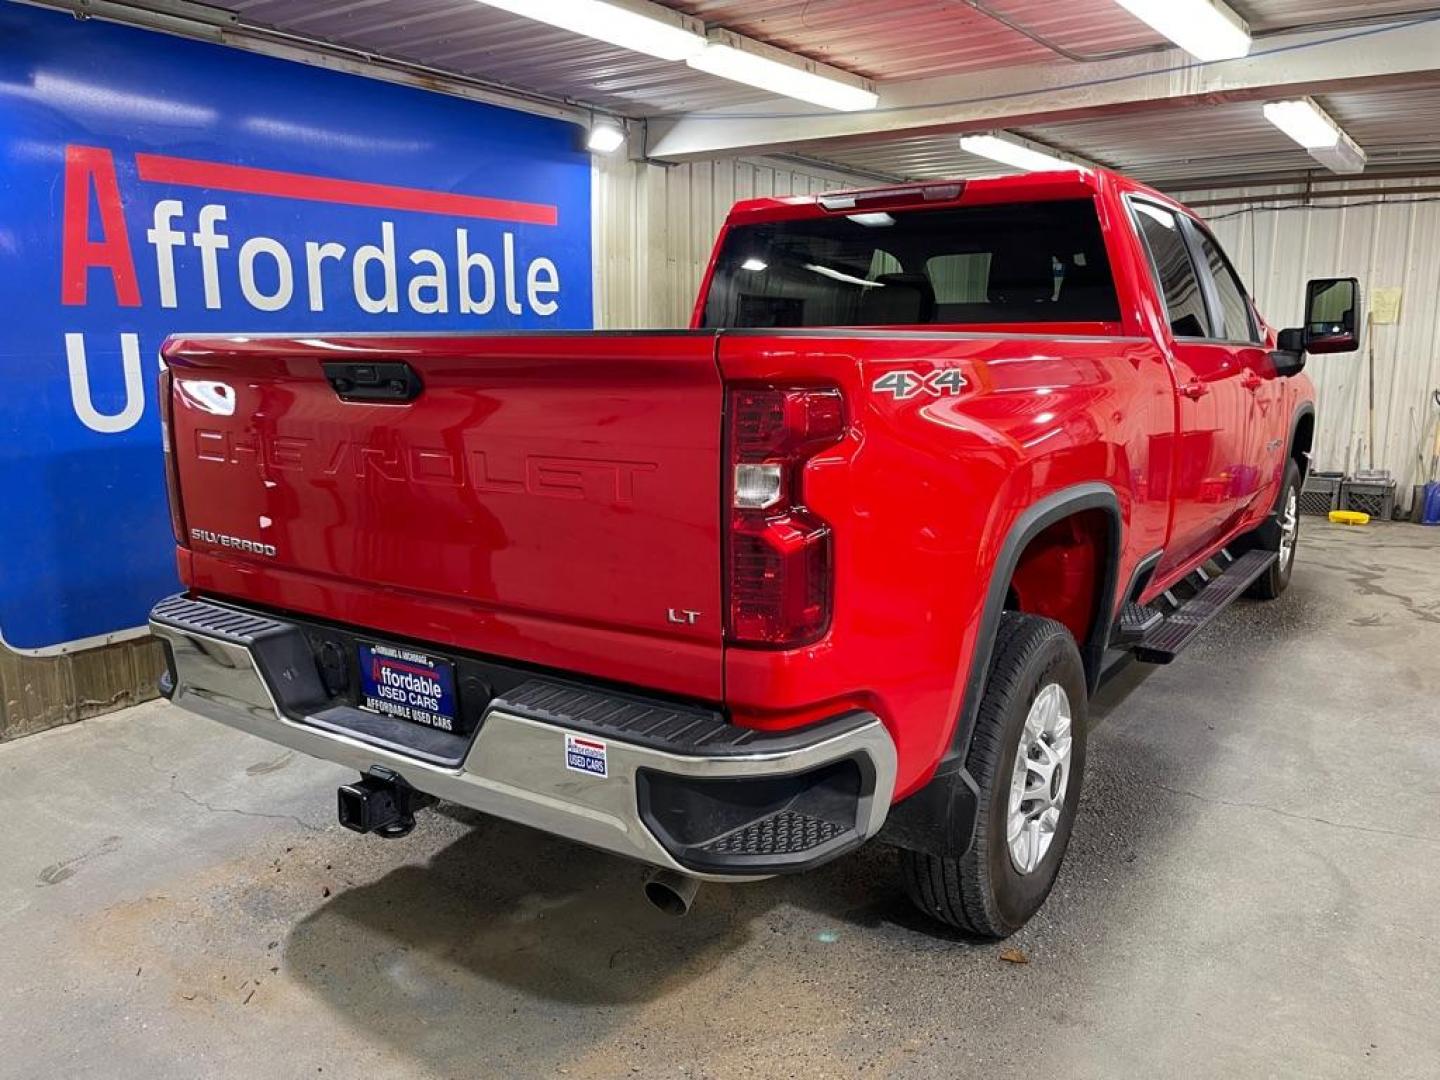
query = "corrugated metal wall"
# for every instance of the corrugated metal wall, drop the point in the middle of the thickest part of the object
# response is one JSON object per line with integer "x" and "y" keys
{"x": 1386, "y": 240}
{"x": 44, "y": 692}
{"x": 656, "y": 224}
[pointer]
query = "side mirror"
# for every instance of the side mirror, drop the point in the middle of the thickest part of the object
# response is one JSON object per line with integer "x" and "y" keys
{"x": 1332, "y": 315}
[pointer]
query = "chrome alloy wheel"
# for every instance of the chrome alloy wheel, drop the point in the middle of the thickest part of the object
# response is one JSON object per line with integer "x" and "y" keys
{"x": 1289, "y": 527}
{"x": 1041, "y": 778}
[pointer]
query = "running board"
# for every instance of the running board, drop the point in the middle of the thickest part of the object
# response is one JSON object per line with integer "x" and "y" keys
{"x": 1167, "y": 640}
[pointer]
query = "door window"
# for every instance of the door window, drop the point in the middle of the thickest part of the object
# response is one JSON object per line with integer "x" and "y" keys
{"x": 1174, "y": 271}
{"x": 1234, "y": 307}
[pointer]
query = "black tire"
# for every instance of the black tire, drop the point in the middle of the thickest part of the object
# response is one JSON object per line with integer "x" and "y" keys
{"x": 983, "y": 892}
{"x": 1269, "y": 537}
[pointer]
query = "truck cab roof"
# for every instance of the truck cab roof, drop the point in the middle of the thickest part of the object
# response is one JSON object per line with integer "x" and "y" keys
{"x": 1018, "y": 187}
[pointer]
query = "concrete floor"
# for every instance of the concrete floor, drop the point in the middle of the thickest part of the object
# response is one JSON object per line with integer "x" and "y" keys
{"x": 1253, "y": 890}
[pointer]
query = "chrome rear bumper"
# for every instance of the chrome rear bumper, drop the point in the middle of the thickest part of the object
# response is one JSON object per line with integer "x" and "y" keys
{"x": 256, "y": 673}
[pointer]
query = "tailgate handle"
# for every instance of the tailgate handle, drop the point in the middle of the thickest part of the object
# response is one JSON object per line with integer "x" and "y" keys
{"x": 362, "y": 381}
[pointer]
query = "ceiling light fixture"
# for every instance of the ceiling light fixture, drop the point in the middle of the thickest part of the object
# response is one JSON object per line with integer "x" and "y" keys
{"x": 606, "y": 136}
{"x": 631, "y": 24}
{"x": 739, "y": 59}
{"x": 1305, "y": 122}
{"x": 1313, "y": 128}
{"x": 1206, "y": 29}
{"x": 1008, "y": 150}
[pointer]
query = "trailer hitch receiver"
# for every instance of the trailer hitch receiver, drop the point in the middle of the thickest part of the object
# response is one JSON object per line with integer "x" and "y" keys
{"x": 380, "y": 802}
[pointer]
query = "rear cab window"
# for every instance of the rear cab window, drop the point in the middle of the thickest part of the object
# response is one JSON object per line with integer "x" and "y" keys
{"x": 1012, "y": 263}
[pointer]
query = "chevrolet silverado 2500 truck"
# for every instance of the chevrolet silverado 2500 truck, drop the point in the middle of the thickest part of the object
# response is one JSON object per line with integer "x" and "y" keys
{"x": 845, "y": 558}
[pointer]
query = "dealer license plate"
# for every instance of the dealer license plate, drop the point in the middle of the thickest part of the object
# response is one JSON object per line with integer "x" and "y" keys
{"x": 409, "y": 685}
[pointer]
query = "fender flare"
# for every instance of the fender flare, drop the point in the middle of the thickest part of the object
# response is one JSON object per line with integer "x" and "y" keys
{"x": 1033, "y": 521}
{"x": 1304, "y": 409}
{"x": 1266, "y": 535}
{"x": 940, "y": 817}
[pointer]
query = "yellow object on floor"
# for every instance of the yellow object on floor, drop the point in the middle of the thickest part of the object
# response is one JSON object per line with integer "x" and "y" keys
{"x": 1349, "y": 517}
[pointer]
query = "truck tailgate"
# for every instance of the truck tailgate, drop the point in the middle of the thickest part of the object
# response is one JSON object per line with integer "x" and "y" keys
{"x": 549, "y": 498}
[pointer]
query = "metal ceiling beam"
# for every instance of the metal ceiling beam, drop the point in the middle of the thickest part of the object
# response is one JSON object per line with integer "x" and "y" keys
{"x": 1314, "y": 62}
{"x": 1312, "y": 198}
{"x": 1309, "y": 179}
{"x": 206, "y": 22}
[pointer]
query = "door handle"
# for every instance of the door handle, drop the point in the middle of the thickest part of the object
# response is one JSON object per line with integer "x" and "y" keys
{"x": 1194, "y": 389}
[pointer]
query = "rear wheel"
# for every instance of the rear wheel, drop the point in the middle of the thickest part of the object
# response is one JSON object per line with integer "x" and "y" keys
{"x": 1280, "y": 534}
{"x": 1027, "y": 757}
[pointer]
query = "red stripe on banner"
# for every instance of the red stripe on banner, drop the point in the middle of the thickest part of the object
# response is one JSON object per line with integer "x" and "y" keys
{"x": 160, "y": 169}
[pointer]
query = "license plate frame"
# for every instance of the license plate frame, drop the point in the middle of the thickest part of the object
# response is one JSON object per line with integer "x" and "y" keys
{"x": 410, "y": 685}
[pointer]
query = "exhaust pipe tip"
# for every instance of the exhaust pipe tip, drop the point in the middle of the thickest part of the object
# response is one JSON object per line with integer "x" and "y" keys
{"x": 671, "y": 892}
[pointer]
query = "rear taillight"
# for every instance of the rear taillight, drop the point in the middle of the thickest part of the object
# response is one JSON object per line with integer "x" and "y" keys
{"x": 779, "y": 565}
{"x": 172, "y": 473}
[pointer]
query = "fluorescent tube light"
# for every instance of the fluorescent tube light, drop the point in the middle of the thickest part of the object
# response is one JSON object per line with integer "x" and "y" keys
{"x": 669, "y": 35}
{"x": 1305, "y": 122}
{"x": 1313, "y": 128}
{"x": 605, "y": 137}
{"x": 630, "y": 24}
{"x": 876, "y": 220}
{"x": 754, "y": 265}
{"x": 1013, "y": 153}
{"x": 1206, "y": 29}
{"x": 1345, "y": 156}
{"x": 732, "y": 57}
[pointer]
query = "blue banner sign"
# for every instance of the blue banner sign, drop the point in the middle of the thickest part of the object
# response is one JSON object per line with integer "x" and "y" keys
{"x": 152, "y": 185}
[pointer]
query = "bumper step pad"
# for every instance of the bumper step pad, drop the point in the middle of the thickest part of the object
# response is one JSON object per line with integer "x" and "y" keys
{"x": 789, "y": 832}
{"x": 667, "y": 726}
{"x": 212, "y": 620}
{"x": 1166, "y": 641}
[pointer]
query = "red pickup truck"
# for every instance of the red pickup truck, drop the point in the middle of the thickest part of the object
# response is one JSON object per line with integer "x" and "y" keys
{"x": 846, "y": 558}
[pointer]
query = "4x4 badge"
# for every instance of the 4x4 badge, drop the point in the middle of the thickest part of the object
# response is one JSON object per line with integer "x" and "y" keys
{"x": 902, "y": 385}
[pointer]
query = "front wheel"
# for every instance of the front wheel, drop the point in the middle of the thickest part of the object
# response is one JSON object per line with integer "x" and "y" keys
{"x": 1283, "y": 537}
{"x": 1027, "y": 757}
